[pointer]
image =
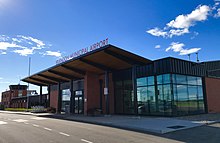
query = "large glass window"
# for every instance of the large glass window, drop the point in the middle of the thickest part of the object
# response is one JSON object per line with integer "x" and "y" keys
{"x": 164, "y": 94}
{"x": 142, "y": 81}
{"x": 175, "y": 95}
{"x": 146, "y": 95}
{"x": 188, "y": 95}
{"x": 66, "y": 101}
{"x": 124, "y": 96}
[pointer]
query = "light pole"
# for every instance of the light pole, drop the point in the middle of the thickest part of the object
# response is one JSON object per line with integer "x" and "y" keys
{"x": 29, "y": 72}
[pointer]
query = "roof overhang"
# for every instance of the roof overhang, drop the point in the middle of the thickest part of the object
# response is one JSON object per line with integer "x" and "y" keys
{"x": 109, "y": 58}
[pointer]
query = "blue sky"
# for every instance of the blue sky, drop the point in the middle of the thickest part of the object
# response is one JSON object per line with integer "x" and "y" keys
{"x": 46, "y": 30}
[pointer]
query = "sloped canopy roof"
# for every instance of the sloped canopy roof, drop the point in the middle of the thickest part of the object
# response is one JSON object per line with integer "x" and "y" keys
{"x": 98, "y": 61}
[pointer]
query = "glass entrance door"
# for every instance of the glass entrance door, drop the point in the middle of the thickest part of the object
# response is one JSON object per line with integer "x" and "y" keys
{"x": 79, "y": 100}
{"x": 65, "y": 101}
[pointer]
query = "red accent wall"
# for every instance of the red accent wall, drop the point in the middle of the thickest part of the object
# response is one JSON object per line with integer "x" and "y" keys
{"x": 54, "y": 99}
{"x": 213, "y": 94}
{"x": 91, "y": 92}
{"x": 111, "y": 94}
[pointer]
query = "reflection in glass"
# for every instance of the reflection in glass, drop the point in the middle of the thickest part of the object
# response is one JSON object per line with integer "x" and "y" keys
{"x": 160, "y": 79}
{"x": 180, "y": 79}
{"x": 142, "y": 99}
{"x": 65, "y": 101}
{"x": 142, "y": 81}
{"x": 192, "y": 80}
{"x": 193, "y": 104}
{"x": 166, "y": 78}
{"x": 182, "y": 95}
{"x": 150, "y": 80}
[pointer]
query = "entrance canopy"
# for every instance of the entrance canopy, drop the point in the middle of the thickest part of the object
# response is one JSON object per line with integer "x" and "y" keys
{"x": 107, "y": 58}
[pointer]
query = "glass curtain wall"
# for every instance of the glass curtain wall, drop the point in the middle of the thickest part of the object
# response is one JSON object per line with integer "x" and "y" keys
{"x": 66, "y": 101}
{"x": 170, "y": 95}
{"x": 146, "y": 95}
{"x": 124, "y": 97}
{"x": 164, "y": 94}
{"x": 188, "y": 95}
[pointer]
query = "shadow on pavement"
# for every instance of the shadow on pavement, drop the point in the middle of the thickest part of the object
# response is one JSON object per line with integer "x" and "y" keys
{"x": 202, "y": 134}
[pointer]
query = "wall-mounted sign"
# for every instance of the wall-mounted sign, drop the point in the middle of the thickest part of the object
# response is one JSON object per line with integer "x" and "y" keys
{"x": 83, "y": 51}
{"x": 105, "y": 91}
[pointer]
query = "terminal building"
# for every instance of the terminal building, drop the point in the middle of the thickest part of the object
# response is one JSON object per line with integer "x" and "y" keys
{"x": 111, "y": 80}
{"x": 18, "y": 96}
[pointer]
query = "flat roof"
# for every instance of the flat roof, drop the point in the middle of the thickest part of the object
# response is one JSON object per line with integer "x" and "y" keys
{"x": 109, "y": 58}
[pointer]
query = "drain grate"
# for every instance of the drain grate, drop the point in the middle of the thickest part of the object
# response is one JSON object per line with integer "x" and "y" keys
{"x": 176, "y": 127}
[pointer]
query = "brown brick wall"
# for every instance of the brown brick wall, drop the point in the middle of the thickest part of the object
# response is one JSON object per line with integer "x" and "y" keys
{"x": 54, "y": 99}
{"x": 91, "y": 92}
{"x": 111, "y": 95}
{"x": 213, "y": 94}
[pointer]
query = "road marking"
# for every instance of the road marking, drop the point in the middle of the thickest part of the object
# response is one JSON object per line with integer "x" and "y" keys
{"x": 64, "y": 134}
{"x": 47, "y": 129}
{"x": 39, "y": 118}
{"x": 35, "y": 125}
{"x": 26, "y": 123}
{"x": 86, "y": 141}
{"x": 3, "y": 123}
{"x": 20, "y": 120}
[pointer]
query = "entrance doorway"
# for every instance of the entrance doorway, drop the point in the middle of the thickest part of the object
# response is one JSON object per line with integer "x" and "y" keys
{"x": 65, "y": 108}
{"x": 79, "y": 100}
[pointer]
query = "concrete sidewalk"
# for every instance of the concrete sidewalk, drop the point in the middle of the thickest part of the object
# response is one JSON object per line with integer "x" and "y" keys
{"x": 143, "y": 124}
{"x": 159, "y": 125}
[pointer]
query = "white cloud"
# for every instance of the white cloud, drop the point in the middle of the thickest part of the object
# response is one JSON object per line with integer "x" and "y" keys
{"x": 185, "y": 21}
{"x": 36, "y": 41}
{"x": 23, "y": 45}
{"x": 157, "y": 46}
{"x": 194, "y": 35}
{"x": 189, "y": 51}
{"x": 175, "y": 46}
{"x": 6, "y": 45}
{"x": 2, "y": 53}
{"x": 178, "y": 47}
{"x": 157, "y": 32}
{"x": 51, "y": 53}
{"x": 217, "y": 15}
{"x": 1, "y": 78}
{"x": 178, "y": 32}
{"x": 24, "y": 51}
{"x": 16, "y": 40}
{"x": 181, "y": 24}
{"x": 3, "y": 38}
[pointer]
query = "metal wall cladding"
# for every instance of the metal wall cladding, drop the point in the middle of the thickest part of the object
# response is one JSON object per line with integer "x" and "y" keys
{"x": 213, "y": 68}
{"x": 171, "y": 65}
{"x": 78, "y": 85}
{"x": 122, "y": 75}
{"x": 65, "y": 85}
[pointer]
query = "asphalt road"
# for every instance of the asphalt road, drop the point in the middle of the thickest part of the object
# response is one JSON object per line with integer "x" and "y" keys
{"x": 15, "y": 128}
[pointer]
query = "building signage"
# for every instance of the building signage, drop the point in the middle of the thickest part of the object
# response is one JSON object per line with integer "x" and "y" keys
{"x": 83, "y": 51}
{"x": 105, "y": 91}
